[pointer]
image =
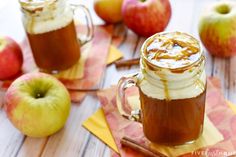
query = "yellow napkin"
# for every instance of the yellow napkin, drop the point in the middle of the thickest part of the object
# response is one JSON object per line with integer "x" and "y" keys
{"x": 232, "y": 106}
{"x": 97, "y": 125}
{"x": 114, "y": 54}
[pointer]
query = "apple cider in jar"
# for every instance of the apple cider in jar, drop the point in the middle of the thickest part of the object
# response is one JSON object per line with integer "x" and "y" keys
{"x": 51, "y": 32}
{"x": 172, "y": 88}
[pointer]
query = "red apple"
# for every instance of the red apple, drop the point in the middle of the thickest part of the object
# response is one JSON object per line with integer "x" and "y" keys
{"x": 217, "y": 29}
{"x": 109, "y": 10}
{"x": 11, "y": 58}
{"x": 146, "y": 17}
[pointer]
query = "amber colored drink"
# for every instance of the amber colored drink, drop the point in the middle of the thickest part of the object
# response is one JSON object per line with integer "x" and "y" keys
{"x": 57, "y": 49}
{"x": 172, "y": 122}
{"x": 172, "y": 89}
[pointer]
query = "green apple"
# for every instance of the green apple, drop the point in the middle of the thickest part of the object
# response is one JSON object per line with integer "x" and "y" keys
{"x": 37, "y": 104}
{"x": 217, "y": 29}
{"x": 109, "y": 10}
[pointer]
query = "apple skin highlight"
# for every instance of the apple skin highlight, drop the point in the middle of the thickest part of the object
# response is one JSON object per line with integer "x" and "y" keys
{"x": 37, "y": 104}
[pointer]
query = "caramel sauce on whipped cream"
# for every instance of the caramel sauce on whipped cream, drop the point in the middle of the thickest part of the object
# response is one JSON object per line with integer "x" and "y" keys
{"x": 175, "y": 51}
{"x": 173, "y": 66}
{"x": 41, "y": 16}
{"x": 34, "y": 5}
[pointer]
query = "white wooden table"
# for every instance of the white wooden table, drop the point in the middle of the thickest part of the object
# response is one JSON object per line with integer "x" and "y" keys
{"x": 74, "y": 140}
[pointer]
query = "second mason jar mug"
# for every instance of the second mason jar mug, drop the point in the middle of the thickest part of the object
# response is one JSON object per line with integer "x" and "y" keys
{"x": 51, "y": 31}
{"x": 172, "y": 89}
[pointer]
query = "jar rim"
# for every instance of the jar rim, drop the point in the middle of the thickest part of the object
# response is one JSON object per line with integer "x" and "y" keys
{"x": 178, "y": 69}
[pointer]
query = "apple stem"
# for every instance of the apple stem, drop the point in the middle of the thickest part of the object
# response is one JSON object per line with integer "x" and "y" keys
{"x": 223, "y": 9}
{"x": 142, "y": 0}
{"x": 39, "y": 95}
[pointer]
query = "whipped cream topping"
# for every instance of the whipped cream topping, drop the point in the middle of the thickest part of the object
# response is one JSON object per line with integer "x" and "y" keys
{"x": 41, "y": 16}
{"x": 172, "y": 73}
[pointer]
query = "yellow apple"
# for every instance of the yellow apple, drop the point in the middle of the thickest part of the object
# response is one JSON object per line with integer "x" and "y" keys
{"x": 109, "y": 10}
{"x": 37, "y": 104}
{"x": 217, "y": 29}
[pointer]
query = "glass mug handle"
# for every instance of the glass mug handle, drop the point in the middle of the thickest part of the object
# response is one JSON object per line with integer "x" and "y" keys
{"x": 124, "y": 83}
{"x": 89, "y": 22}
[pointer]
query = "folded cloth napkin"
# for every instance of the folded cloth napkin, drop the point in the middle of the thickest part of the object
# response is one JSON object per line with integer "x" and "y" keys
{"x": 218, "y": 111}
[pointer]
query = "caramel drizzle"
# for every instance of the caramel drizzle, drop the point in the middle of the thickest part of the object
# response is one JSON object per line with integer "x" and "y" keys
{"x": 166, "y": 90}
{"x": 32, "y": 6}
{"x": 189, "y": 48}
{"x": 33, "y": 9}
{"x": 164, "y": 81}
{"x": 162, "y": 52}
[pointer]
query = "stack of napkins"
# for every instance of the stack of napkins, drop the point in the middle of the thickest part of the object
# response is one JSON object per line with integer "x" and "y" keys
{"x": 218, "y": 135}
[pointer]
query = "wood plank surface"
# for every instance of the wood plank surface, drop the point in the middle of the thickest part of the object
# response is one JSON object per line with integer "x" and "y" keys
{"x": 94, "y": 146}
{"x": 32, "y": 147}
{"x": 73, "y": 140}
{"x": 10, "y": 138}
{"x": 232, "y": 80}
